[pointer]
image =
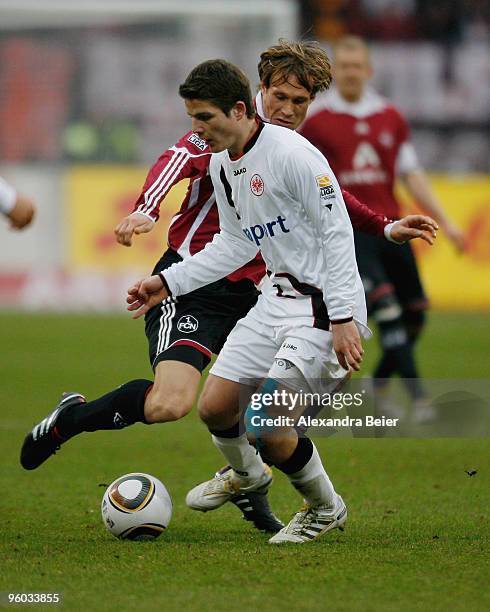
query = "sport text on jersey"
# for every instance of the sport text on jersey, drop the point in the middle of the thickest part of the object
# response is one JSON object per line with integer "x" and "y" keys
{"x": 256, "y": 233}
{"x": 327, "y": 192}
{"x": 198, "y": 142}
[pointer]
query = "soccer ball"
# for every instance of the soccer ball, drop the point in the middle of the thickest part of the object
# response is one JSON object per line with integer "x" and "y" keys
{"x": 136, "y": 507}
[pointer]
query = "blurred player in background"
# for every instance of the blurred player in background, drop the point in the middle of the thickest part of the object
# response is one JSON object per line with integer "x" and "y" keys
{"x": 183, "y": 332}
{"x": 18, "y": 209}
{"x": 367, "y": 142}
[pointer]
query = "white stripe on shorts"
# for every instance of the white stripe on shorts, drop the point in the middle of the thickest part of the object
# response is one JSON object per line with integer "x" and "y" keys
{"x": 168, "y": 313}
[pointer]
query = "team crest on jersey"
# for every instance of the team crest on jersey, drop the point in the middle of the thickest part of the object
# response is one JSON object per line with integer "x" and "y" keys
{"x": 257, "y": 185}
{"x": 327, "y": 191}
{"x": 198, "y": 142}
{"x": 187, "y": 324}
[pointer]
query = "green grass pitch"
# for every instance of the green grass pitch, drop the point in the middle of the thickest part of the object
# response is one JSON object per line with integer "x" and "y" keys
{"x": 417, "y": 537}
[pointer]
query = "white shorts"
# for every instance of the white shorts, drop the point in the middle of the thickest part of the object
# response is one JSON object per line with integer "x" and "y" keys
{"x": 257, "y": 350}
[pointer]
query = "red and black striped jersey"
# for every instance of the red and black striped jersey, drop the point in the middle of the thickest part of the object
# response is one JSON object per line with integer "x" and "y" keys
{"x": 197, "y": 220}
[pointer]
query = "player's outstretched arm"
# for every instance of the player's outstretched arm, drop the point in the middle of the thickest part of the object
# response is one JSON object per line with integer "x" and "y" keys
{"x": 419, "y": 188}
{"x": 185, "y": 159}
{"x": 135, "y": 223}
{"x": 413, "y": 226}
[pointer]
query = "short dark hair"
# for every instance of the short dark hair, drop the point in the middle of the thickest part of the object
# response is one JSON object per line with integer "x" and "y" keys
{"x": 306, "y": 60}
{"x": 221, "y": 83}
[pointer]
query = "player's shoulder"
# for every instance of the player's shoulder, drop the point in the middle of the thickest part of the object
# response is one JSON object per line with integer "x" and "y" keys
{"x": 332, "y": 104}
{"x": 394, "y": 112}
{"x": 192, "y": 144}
{"x": 286, "y": 148}
{"x": 283, "y": 139}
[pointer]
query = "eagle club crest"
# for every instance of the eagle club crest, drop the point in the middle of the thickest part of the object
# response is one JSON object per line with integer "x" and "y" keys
{"x": 257, "y": 185}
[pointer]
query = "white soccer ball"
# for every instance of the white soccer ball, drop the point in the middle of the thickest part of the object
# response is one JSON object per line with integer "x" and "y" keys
{"x": 136, "y": 507}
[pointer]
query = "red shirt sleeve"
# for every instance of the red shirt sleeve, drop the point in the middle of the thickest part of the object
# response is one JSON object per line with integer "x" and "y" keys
{"x": 187, "y": 159}
{"x": 362, "y": 217}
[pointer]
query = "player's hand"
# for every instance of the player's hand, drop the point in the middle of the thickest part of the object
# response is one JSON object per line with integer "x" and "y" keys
{"x": 414, "y": 226}
{"x": 22, "y": 213}
{"x": 145, "y": 294}
{"x": 347, "y": 345}
{"x": 135, "y": 223}
{"x": 456, "y": 236}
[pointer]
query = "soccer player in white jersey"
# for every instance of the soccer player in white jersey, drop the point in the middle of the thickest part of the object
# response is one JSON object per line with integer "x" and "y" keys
{"x": 276, "y": 194}
{"x": 18, "y": 209}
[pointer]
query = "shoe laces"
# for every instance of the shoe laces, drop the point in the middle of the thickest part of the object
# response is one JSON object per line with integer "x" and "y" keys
{"x": 301, "y": 520}
{"x": 221, "y": 482}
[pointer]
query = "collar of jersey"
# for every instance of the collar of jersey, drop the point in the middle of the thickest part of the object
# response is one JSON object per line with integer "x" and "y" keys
{"x": 259, "y": 107}
{"x": 370, "y": 103}
{"x": 251, "y": 141}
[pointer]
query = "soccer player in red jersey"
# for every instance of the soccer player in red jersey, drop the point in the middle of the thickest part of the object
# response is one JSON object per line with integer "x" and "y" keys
{"x": 367, "y": 142}
{"x": 184, "y": 332}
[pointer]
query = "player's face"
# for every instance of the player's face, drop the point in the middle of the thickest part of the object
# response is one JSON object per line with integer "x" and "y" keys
{"x": 212, "y": 125}
{"x": 286, "y": 103}
{"x": 351, "y": 71}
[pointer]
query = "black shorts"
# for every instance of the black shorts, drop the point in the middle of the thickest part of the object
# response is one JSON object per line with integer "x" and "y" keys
{"x": 384, "y": 264}
{"x": 191, "y": 327}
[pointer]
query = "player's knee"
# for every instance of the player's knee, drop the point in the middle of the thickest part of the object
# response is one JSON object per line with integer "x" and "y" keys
{"x": 211, "y": 410}
{"x": 164, "y": 405}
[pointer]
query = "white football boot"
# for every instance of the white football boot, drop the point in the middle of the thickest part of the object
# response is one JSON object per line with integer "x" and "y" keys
{"x": 311, "y": 522}
{"x": 223, "y": 487}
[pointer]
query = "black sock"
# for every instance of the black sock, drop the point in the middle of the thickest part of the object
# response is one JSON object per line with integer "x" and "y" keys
{"x": 235, "y": 431}
{"x": 300, "y": 457}
{"x": 115, "y": 410}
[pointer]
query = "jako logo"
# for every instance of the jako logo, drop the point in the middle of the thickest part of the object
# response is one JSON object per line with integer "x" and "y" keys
{"x": 239, "y": 171}
{"x": 256, "y": 232}
{"x": 187, "y": 324}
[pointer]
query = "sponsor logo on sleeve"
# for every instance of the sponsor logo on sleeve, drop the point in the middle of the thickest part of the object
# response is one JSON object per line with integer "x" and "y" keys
{"x": 198, "y": 142}
{"x": 327, "y": 191}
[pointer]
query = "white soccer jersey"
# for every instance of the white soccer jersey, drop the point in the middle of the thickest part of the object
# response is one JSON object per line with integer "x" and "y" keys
{"x": 281, "y": 197}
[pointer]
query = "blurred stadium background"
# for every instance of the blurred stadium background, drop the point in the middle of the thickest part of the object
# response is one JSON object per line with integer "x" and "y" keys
{"x": 88, "y": 99}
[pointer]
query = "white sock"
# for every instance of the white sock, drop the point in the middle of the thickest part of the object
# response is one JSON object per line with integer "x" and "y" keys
{"x": 313, "y": 482}
{"x": 242, "y": 457}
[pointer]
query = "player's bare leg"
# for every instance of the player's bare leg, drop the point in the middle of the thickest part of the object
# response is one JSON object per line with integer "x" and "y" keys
{"x": 245, "y": 480}
{"x": 297, "y": 457}
{"x": 219, "y": 409}
{"x": 173, "y": 393}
